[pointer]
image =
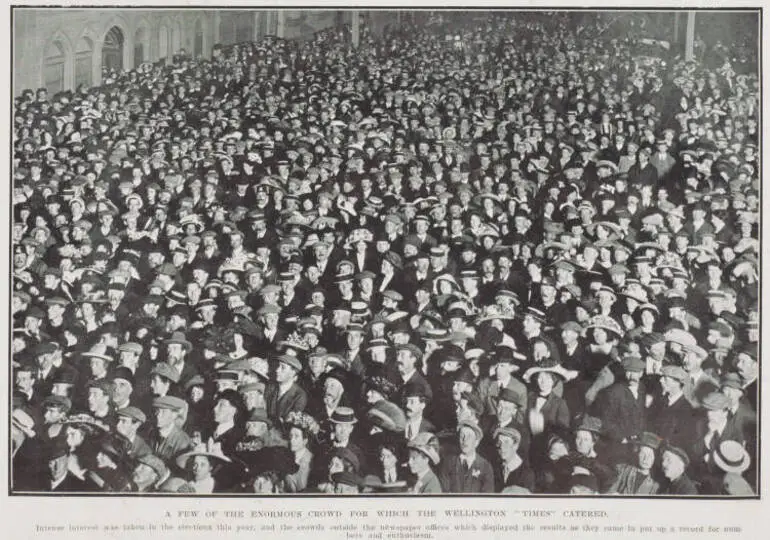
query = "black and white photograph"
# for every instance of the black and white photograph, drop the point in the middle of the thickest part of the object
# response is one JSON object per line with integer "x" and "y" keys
{"x": 363, "y": 252}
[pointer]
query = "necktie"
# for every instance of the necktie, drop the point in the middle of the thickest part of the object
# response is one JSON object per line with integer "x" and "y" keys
{"x": 409, "y": 432}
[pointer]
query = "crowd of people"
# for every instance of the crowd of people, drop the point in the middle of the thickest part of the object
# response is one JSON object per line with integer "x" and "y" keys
{"x": 505, "y": 257}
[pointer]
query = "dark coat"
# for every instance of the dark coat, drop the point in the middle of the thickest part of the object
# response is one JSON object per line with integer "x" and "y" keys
{"x": 673, "y": 423}
{"x": 622, "y": 414}
{"x": 278, "y": 407}
{"x": 454, "y": 478}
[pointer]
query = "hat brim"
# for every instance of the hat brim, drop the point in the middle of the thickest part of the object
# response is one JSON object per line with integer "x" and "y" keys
{"x": 181, "y": 461}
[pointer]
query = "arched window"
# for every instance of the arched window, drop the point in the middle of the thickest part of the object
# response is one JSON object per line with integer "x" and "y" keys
{"x": 112, "y": 51}
{"x": 84, "y": 62}
{"x": 163, "y": 42}
{"x": 53, "y": 67}
{"x": 198, "y": 42}
{"x": 139, "y": 50}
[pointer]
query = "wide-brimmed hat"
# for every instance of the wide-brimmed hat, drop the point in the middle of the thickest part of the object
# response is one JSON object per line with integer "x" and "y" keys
{"x": 212, "y": 450}
{"x": 606, "y": 323}
{"x": 550, "y": 365}
{"x": 387, "y": 416}
{"x": 731, "y": 457}
{"x": 97, "y": 351}
{"x": 428, "y": 444}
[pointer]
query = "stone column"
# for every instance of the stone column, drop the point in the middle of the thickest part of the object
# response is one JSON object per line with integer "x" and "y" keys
{"x": 689, "y": 53}
{"x": 355, "y": 28}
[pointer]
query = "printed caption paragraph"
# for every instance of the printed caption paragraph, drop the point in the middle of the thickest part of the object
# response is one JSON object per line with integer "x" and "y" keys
{"x": 390, "y": 524}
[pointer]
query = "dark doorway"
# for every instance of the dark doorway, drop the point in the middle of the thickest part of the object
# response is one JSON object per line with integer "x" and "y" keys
{"x": 112, "y": 52}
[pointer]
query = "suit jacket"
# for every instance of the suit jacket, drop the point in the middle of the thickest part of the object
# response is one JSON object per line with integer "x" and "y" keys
{"x": 522, "y": 476}
{"x": 672, "y": 422}
{"x": 699, "y": 465}
{"x": 489, "y": 389}
{"x": 278, "y": 407}
{"x": 478, "y": 478}
{"x": 139, "y": 448}
{"x": 621, "y": 413}
{"x": 429, "y": 483}
{"x": 418, "y": 379}
{"x": 175, "y": 444}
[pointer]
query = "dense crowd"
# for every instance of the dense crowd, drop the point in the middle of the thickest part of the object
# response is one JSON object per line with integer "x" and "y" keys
{"x": 513, "y": 257}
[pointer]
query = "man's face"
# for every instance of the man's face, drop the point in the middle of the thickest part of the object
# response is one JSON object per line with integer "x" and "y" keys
{"x": 284, "y": 373}
{"x": 164, "y": 417}
{"x": 24, "y": 381}
{"x": 122, "y": 390}
{"x": 175, "y": 350}
{"x": 506, "y": 447}
{"x": 405, "y": 361}
{"x": 414, "y": 407}
{"x": 690, "y": 361}
{"x": 144, "y": 475}
{"x": 97, "y": 399}
{"x": 333, "y": 391}
{"x": 57, "y": 467}
{"x": 468, "y": 441}
{"x": 126, "y": 426}
{"x": 53, "y": 415}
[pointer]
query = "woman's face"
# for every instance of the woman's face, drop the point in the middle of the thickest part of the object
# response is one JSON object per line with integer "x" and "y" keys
{"x": 600, "y": 336}
{"x": 263, "y": 484}
{"x": 201, "y": 468}
{"x": 297, "y": 439}
{"x": 646, "y": 457}
{"x": 74, "y": 438}
{"x": 545, "y": 382}
{"x": 557, "y": 450}
{"x": 584, "y": 442}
